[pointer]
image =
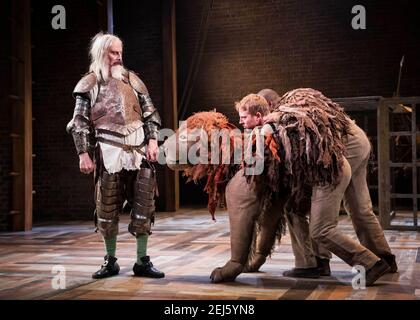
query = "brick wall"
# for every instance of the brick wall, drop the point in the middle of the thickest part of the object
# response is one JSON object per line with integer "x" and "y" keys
{"x": 252, "y": 44}
{"x": 249, "y": 45}
{"x": 60, "y": 58}
{"x": 139, "y": 26}
{"x": 255, "y": 44}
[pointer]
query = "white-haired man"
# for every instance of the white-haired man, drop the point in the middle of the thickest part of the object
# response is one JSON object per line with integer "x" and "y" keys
{"x": 115, "y": 127}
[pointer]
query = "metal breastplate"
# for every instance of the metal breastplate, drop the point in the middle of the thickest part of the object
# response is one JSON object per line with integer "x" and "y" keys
{"x": 116, "y": 108}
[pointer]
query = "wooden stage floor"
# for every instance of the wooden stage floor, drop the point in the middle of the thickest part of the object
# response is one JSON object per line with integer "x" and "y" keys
{"x": 186, "y": 245}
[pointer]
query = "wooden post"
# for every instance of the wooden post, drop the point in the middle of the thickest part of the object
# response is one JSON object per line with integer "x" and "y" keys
{"x": 27, "y": 54}
{"x": 383, "y": 163}
{"x": 20, "y": 101}
{"x": 170, "y": 109}
{"x": 414, "y": 161}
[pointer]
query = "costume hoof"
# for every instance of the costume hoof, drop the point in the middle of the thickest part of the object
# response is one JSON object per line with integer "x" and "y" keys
{"x": 227, "y": 273}
{"x": 216, "y": 275}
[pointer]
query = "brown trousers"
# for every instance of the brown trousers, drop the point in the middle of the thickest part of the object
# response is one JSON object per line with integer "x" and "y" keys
{"x": 322, "y": 224}
{"x": 243, "y": 205}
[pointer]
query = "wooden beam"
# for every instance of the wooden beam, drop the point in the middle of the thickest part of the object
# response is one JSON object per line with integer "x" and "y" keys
{"x": 352, "y": 104}
{"x": 20, "y": 102}
{"x": 414, "y": 160}
{"x": 383, "y": 170}
{"x": 27, "y": 57}
{"x": 170, "y": 108}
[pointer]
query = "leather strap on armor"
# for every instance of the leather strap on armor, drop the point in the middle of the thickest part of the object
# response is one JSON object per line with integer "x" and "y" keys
{"x": 125, "y": 147}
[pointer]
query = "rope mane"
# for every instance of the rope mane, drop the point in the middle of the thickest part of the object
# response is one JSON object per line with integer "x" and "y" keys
{"x": 218, "y": 175}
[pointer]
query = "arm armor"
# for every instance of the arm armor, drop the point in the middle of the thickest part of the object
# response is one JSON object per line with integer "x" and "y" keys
{"x": 151, "y": 118}
{"x": 80, "y": 126}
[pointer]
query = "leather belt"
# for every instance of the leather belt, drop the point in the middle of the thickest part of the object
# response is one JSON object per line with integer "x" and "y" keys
{"x": 125, "y": 147}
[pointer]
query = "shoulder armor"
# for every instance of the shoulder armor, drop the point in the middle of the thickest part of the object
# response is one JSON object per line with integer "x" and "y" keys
{"x": 136, "y": 83}
{"x": 86, "y": 84}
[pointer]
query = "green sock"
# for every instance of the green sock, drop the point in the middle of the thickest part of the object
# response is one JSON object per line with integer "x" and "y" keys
{"x": 111, "y": 245}
{"x": 141, "y": 246}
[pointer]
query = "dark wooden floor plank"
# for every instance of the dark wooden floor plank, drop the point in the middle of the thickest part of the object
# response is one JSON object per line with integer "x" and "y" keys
{"x": 187, "y": 246}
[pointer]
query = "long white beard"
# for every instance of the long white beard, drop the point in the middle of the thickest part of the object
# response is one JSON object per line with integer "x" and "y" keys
{"x": 118, "y": 72}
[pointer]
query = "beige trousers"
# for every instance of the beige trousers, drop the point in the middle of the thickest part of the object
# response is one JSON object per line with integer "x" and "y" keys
{"x": 248, "y": 251}
{"x": 324, "y": 219}
{"x": 358, "y": 205}
{"x": 357, "y": 200}
{"x": 243, "y": 204}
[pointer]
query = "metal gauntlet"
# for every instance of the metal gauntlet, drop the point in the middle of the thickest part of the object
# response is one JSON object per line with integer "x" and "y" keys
{"x": 79, "y": 127}
{"x": 151, "y": 118}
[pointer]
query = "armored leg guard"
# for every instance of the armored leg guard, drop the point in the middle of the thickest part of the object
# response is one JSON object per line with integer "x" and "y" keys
{"x": 143, "y": 209}
{"x": 108, "y": 204}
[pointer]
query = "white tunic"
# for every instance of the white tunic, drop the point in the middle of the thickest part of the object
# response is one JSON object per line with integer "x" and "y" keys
{"x": 115, "y": 158}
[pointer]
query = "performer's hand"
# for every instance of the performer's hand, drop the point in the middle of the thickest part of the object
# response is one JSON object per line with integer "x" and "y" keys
{"x": 85, "y": 163}
{"x": 152, "y": 150}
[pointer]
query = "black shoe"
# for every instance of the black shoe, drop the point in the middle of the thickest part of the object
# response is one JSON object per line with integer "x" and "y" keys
{"x": 378, "y": 270}
{"x": 108, "y": 269}
{"x": 146, "y": 269}
{"x": 323, "y": 266}
{"x": 390, "y": 259}
{"x": 302, "y": 273}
